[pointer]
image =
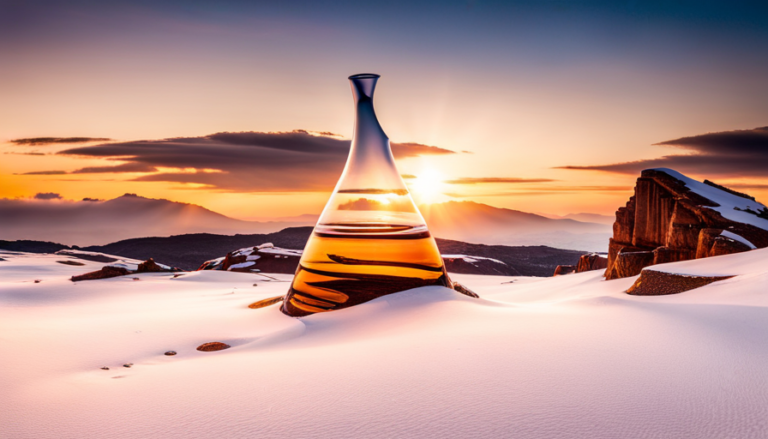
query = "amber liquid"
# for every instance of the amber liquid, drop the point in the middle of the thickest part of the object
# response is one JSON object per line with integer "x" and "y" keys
{"x": 344, "y": 266}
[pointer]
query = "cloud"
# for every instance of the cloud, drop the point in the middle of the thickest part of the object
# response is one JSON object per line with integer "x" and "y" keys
{"x": 744, "y": 142}
{"x": 543, "y": 190}
{"x": 247, "y": 161}
{"x": 740, "y": 153}
{"x": 44, "y": 173}
{"x": 47, "y": 196}
{"x": 127, "y": 167}
{"x": 403, "y": 150}
{"x": 37, "y": 141}
{"x": 497, "y": 180}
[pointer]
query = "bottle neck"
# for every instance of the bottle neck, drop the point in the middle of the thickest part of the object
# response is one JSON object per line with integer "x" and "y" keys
{"x": 370, "y": 164}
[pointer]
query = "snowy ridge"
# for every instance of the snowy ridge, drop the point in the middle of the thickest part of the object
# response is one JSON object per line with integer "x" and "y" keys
{"x": 472, "y": 259}
{"x": 533, "y": 358}
{"x": 107, "y": 260}
{"x": 731, "y": 207}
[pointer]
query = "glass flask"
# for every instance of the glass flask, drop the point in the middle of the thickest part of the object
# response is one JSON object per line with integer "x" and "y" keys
{"x": 371, "y": 239}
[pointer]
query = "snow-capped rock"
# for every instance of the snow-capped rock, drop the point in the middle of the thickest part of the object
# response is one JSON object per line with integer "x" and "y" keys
{"x": 672, "y": 218}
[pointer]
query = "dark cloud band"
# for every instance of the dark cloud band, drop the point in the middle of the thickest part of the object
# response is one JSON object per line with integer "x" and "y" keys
{"x": 741, "y": 153}
{"x": 498, "y": 180}
{"x": 247, "y": 161}
{"x": 37, "y": 141}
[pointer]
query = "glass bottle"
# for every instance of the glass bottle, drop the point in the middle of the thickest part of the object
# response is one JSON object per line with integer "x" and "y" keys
{"x": 371, "y": 239}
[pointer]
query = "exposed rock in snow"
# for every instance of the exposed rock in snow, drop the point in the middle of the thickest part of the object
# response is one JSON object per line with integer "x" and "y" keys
{"x": 261, "y": 258}
{"x": 123, "y": 268}
{"x": 659, "y": 283}
{"x": 105, "y": 273}
{"x": 246, "y": 264}
{"x": 672, "y": 218}
{"x": 70, "y": 262}
{"x": 466, "y": 264}
{"x": 213, "y": 346}
{"x": 267, "y": 258}
{"x": 266, "y": 302}
{"x": 588, "y": 262}
{"x": 537, "y": 358}
{"x": 564, "y": 269}
{"x": 591, "y": 262}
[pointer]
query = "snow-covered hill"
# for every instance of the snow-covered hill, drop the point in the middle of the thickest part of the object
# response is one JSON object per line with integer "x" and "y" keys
{"x": 569, "y": 356}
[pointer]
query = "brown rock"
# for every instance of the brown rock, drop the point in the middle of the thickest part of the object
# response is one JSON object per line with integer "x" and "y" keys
{"x": 631, "y": 263}
{"x": 625, "y": 222}
{"x": 464, "y": 290}
{"x": 654, "y": 206}
{"x": 75, "y": 263}
{"x": 727, "y": 246}
{"x": 213, "y": 346}
{"x": 266, "y": 302}
{"x": 662, "y": 255}
{"x": 231, "y": 260}
{"x": 591, "y": 262}
{"x": 170, "y": 353}
{"x": 667, "y": 220}
{"x": 656, "y": 283}
{"x": 614, "y": 247}
{"x": 468, "y": 264}
{"x": 150, "y": 266}
{"x": 105, "y": 273}
{"x": 564, "y": 269}
{"x": 683, "y": 232}
{"x": 706, "y": 241}
{"x": 266, "y": 260}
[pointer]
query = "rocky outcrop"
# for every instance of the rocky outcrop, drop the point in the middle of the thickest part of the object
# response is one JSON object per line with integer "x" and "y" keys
{"x": 105, "y": 273}
{"x": 266, "y": 302}
{"x": 658, "y": 283}
{"x": 591, "y": 262}
{"x": 667, "y": 221}
{"x": 588, "y": 262}
{"x": 108, "y": 271}
{"x": 267, "y": 258}
{"x": 564, "y": 269}
{"x": 467, "y": 264}
{"x": 261, "y": 258}
{"x": 213, "y": 346}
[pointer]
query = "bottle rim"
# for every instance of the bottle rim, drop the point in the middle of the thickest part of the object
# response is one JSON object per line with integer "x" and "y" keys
{"x": 364, "y": 76}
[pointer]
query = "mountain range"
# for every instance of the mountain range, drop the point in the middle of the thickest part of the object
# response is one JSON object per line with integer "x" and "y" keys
{"x": 190, "y": 251}
{"x": 94, "y": 222}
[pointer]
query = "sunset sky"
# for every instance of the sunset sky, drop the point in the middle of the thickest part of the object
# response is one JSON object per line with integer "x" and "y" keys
{"x": 244, "y": 108}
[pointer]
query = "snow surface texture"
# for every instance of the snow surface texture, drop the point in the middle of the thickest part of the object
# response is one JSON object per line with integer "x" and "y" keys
{"x": 472, "y": 259}
{"x": 565, "y": 357}
{"x": 731, "y": 206}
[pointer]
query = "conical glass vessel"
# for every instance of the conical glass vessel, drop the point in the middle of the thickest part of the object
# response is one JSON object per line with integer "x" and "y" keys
{"x": 371, "y": 239}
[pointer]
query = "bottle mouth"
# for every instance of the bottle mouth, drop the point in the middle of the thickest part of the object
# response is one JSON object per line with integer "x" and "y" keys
{"x": 365, "y": 76}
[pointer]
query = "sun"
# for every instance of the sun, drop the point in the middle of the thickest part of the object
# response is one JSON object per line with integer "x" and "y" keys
{"x": 428, "y": 187}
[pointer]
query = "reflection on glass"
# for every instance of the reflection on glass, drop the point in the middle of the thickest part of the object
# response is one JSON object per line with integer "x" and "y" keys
{"x": 371, "y": 239}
